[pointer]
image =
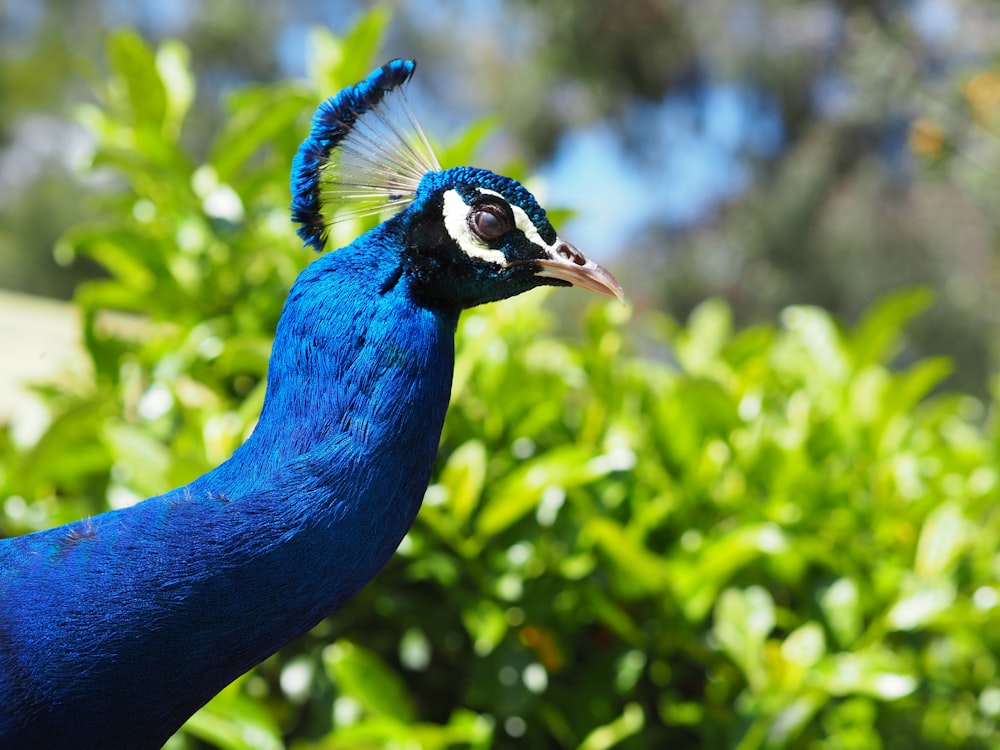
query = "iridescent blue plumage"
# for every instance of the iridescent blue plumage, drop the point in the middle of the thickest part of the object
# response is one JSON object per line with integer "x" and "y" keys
{"x": 115, "y": 629}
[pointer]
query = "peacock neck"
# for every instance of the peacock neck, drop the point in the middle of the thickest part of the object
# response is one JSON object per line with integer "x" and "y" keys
{"x": 355, "y": 359}
{"x": 333, "y": 475}
{"x": 223, "y": 572}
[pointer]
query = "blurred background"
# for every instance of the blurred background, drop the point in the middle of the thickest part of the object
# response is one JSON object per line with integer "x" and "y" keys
{"x": 767, "y": 151}
{"x": 756, "y": 508}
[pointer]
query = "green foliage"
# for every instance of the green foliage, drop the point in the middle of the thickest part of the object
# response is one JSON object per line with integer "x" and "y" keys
{"x": 641, "y": 534}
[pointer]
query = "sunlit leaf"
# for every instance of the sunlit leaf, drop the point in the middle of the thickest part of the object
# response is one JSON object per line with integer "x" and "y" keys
{"x": 336, "y": 62}
{"x": 486, "y": 625}
{"x": 877, "y": 336}
{"x": 642, "y": 571}
{"x": 134, "y": 67}
{"x": 518, "y": 494}
{"x": 234, "y": 721}
{"x": 805, "y": 645}
{"x": 920, "y": 604}
{"x": 463, "y": 478}
{"x": 942, "y": 540}
{"x": 868, "y": 673}
{"x": 173, "y": 64}
{"x": 817, "y": 333}
{"x": 259, "y": 116}
{"x": 709, "y": 327}
{"x": 841, "y": 606}
{"x": 143, "y": 460}
{"x": 361, "y": 674}
{"x": 743, "y": 620}
{"x": 629, "y": 723}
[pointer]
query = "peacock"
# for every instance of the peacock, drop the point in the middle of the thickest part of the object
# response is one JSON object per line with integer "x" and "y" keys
{"x": 115, "y": 629}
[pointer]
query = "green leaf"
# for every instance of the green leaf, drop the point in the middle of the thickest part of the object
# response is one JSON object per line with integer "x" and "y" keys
{"x": 361, "y": 45}
{"x": 130, "y": 258}
{"x": 486, "y": 624}
{"x": 841, "y": 605}
{"x": 641, "y": 571}
{"x": 805, "y": 645}
{"x": 920, "y": 603}
{"x": 942, "y": 540}
{"x": 362, "y": 675}
{"x": 463, "y": 477}
{"x": 615, "y": 617}
{"x": 630, "y": 723}
{"x": 259, "y": 116}
{"x": 877, "y": 336}
{"x": 873, "y": 673}
{"x": 133, "y": 65}
{"x": 816, "y": 331}
{"x": 145, "y": 459}
{"x": 461, "y": 150}
{"x": 743, "y": 620}
{"x": 697, "y": 581}
{"x": 465, "y": 729}
{"x": 520, "y": 491}
{"x": 173, "y": 64}
{"x": 336, "y": 62}
{"x": 789, "y": 723}
{"x": 234, "y": 721}
{"x": 708, "y": 329}
{"x": 919, "y": 380}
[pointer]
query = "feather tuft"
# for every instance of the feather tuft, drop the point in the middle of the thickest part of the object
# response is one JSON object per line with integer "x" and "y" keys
{"x": 365, "y": 154}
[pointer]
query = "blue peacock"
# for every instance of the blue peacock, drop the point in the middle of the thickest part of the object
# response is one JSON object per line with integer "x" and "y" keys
{"x": 116, "y": 628}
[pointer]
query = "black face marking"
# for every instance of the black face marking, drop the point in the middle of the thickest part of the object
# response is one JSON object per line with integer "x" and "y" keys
{"x": 490, "y": 218}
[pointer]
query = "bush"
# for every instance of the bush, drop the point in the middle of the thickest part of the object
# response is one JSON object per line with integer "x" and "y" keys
{"x": 640, "y": 534}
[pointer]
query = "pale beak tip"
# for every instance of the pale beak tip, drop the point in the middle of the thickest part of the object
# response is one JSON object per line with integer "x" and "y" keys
{"x": 570, "y": 265}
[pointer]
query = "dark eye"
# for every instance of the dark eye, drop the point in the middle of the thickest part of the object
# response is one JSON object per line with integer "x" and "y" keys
{"x": 488, "y": 221}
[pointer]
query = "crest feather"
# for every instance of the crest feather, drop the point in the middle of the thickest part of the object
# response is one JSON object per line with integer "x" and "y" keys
{"x": 365, "y": 154}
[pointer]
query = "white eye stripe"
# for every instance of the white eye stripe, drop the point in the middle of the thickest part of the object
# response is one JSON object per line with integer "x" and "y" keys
{"x": 521, "y": 220}
{"x": 455, "y": 214}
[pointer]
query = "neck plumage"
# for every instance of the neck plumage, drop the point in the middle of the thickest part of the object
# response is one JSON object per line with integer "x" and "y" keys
{"x": 114, "y": 631}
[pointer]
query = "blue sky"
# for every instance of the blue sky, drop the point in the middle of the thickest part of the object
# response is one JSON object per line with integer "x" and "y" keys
{"x": 696, "y": 157}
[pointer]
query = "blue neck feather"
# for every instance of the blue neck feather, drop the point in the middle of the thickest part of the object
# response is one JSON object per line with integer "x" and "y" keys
{"x": 115, "y": 629}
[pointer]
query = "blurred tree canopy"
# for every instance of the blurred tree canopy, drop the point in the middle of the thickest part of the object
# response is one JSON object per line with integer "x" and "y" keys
{"x": 662, "y": 530}
{"x": 773, "y": 151}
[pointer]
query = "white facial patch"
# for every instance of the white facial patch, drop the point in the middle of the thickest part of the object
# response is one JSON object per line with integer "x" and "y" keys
{"x": 455, "y": 221}
{"x": 522, "y": 221}
{"x": 456, "y": 213}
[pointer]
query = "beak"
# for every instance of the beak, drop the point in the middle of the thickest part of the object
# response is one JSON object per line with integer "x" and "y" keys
{"x": 566, "y": 263}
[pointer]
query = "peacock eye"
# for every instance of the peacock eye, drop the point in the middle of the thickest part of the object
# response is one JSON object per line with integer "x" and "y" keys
{"x": 490, "y": 220}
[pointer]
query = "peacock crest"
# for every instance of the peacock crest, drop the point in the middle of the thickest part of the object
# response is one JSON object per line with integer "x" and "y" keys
{"x": 365, "y": 154}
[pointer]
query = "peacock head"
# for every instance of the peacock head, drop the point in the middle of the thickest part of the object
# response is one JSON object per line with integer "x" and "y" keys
{"x": 476, "y": 236}
{"x": 469, "y": 235}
